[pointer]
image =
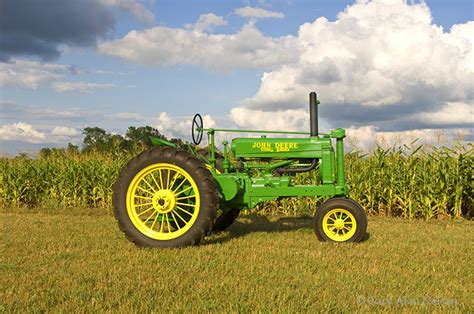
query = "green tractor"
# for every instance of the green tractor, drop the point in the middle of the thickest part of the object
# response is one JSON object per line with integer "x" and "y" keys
{"x": 171, "y": 197}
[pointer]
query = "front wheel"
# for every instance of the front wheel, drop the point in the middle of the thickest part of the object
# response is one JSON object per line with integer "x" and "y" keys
{"x": 340, "y": 220}
{"x": 165, "y": 197}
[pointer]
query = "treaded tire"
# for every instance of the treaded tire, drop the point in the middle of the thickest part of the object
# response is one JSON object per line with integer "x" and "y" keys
{"x": 206, "y": 185}
{"x": 225, "y": 219}
{"x": 340, "y": 203}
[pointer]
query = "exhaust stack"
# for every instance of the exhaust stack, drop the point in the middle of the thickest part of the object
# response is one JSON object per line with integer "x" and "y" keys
{"x": 313, "y": 114}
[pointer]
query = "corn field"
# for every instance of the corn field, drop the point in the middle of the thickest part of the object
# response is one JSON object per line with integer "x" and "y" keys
{"x": 411, "y": 182}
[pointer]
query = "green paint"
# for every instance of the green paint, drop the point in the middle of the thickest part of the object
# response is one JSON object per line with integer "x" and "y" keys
{"x": 228, "y": 186}
{"x": 155, "y": 141}
{"x": 255, "y": 180}
{"x": 243, "y": 191}
{"x": 250, "y": 173}
{"x": 309, "y": 147}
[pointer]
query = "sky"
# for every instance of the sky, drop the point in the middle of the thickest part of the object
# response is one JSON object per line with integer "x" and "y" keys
{"x": 386, "y": 70}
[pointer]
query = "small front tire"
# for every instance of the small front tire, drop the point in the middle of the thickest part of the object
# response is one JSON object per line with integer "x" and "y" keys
{"x": 340, "y": 220}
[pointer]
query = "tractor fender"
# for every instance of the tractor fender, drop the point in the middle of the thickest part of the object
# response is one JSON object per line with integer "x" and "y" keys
{"x": 228, "y": 187}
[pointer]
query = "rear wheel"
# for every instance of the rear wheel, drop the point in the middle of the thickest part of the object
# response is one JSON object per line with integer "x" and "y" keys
{"x": 165, "y": 198}
{"x": 340, "y": 220}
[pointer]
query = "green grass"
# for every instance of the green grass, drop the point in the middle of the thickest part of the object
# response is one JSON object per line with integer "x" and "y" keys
{"x": 79, "y": 261}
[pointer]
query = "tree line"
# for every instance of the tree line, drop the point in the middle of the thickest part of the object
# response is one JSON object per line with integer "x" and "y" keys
{"x": 99, "y": 140}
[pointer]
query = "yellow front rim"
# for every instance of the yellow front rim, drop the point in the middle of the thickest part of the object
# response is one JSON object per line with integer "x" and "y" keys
{"x": 163, "y": 201}
{"x": 339, "y": 225}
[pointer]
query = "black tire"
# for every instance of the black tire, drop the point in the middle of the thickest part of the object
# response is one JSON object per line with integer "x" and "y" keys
{"x": 205, "y": 185}
{"x": 225, "y": 219}
{"x": 345, "y": 204}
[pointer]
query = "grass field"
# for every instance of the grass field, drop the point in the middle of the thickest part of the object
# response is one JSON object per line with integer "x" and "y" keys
{"x": 79, "y": 261}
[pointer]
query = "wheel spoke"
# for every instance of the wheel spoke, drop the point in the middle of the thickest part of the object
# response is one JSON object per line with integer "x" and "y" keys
{"x": 146, "y": 191}
{"x": 184, "y": 204}
{"x": 186, "y": 189}
{"x": 173, "y": 180}
{"x": 185, "y": 211}
{"x": 168, "y": 221}
{"x": 175, "y": 221}
{"x": 179, "y": 216}
{"x": 179, "y": 185}
{"x": 149, "y": 218}
{"x": 168, "y": 179}
{"x": 143, "y": 204}
{"x": 161, "y": 225}
{"x": 185, "y": 197}
{"x": 161, "y": 177}
{"x": 144, "y": 197}
{"x": 145, "y": 211}
{"x": 144, "y": 180}
{"x": 154, "y": 221}
{"x": 156, "y": 183}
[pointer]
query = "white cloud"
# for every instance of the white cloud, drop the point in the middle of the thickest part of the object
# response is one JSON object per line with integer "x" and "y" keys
{"x": 27, "y": 133}
{"x": 64, "y": 131}
{"x": 136, "y": 8}
{"x": 180, "y": 127}
{"x": 207, "y": 22}
{"x": 367, "y": 137}
{"x": 23, "y": 132}
{"x": 80, "y": 86}
{"x": 259, "y": 13}
{"x": 453, "y": 113}
{"x": 381, "y": 63}
{"x": 128, "y": 116}
{"x": 286, "y": 120}
{"x": 30, "y": 74}
{"x": 173, "y": 127}
{"x": 164, "y": 46}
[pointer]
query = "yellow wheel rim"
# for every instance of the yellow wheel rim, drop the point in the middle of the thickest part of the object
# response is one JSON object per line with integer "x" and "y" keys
{"x": 339, "y": 225}
{"x": 163, "y": 201}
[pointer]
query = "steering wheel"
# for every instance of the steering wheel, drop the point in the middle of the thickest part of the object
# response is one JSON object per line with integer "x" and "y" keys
{"x": 197, "y": 129}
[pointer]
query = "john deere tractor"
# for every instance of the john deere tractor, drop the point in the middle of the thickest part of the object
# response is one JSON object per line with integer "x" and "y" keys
{"x": 172, "y": 197}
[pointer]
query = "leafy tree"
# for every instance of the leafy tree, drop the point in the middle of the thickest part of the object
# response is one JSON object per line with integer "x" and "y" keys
{"x": 96, "y": 139}
{"x": 136, "y": 138}
{"x": 141, "y": 135}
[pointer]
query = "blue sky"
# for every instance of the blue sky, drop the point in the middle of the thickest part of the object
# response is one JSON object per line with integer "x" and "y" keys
{"x": 245, "y": 64}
